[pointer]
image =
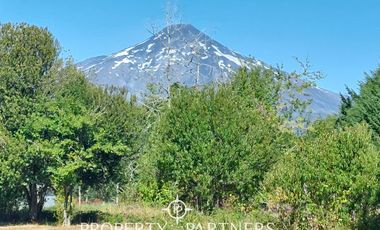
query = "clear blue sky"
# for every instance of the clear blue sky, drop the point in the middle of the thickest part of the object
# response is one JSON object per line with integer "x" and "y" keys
{"x": 340, "y": 37}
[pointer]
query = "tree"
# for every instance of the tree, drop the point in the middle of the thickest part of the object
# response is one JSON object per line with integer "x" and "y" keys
{"x": 56, "y": 119}
{"x": 328, "y": 179}
{"x": 64, "y": 131}
{"x": 215, "y": 144}
{"x": 67, "y": 130}
{"x": 58, "y": 135}
{"x": 26, "y": 55}
{"x": 364, "y": 106}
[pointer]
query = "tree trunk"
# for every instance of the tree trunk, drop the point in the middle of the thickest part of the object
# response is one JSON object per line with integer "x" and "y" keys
{"x": 67, "y": 207}
{"x": 41, "y": 199}
{"x": 117, "y": 194}
{"x": 36, "y": 199}
{"x": 79, "y": 196}
{"x": 66, "y": 218}
{"x": 33, "y": 203}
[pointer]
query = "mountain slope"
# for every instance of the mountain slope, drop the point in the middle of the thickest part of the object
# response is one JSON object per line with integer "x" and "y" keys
{"x": 181, "y": 53}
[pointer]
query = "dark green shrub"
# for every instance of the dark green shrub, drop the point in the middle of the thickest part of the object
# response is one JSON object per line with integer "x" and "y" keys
{"x": 213, "y": 146}
{"x": 328, "y": 179}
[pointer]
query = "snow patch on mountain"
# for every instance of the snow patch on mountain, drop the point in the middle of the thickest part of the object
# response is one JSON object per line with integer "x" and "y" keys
{"x": 148, "y": 50}
{"x": 124, "y": 52}
{"x": 229, "y": 57}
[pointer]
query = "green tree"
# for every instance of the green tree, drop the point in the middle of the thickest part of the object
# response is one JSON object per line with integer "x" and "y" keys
{"x": 26, "y": 55}
{"x": 68, "y": 131}
{"x": 214, "y": 145}
{"x": 364, "y": 106}
{"x": 60, "y": 131}
{"x": 328, "y": 179}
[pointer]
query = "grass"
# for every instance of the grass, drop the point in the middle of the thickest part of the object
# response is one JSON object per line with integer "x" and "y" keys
{"x": 140, "y": 213}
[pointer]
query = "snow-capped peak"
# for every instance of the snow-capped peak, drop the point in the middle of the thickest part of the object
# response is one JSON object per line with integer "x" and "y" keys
{"x": 178, "y": 53}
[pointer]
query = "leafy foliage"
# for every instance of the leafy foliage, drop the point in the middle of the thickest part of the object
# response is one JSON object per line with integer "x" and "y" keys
{"x": 10, "y": 177}
{"x": 26, "y": 56}
{"x": 329, "y": 178}
{"x": 63, "y": 131}
{"x": 69, "y": 129}
{"x": 364, "y": 106}
{"x": 212, "y": 145}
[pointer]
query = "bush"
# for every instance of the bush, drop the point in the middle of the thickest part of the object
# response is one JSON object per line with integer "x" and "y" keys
{"x": 214, "y": 145}
{"x": 328, "y": 179}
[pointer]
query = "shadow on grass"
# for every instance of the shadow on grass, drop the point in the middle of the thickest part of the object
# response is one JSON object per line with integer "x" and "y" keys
{"x": 96, "y": 216}
{"x": 48, "y": 217}
{"x": 22, "y": 217}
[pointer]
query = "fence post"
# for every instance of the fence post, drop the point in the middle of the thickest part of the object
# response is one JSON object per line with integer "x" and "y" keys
{"x": 117, "y": 193}
{"x": 79, "y": 196}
